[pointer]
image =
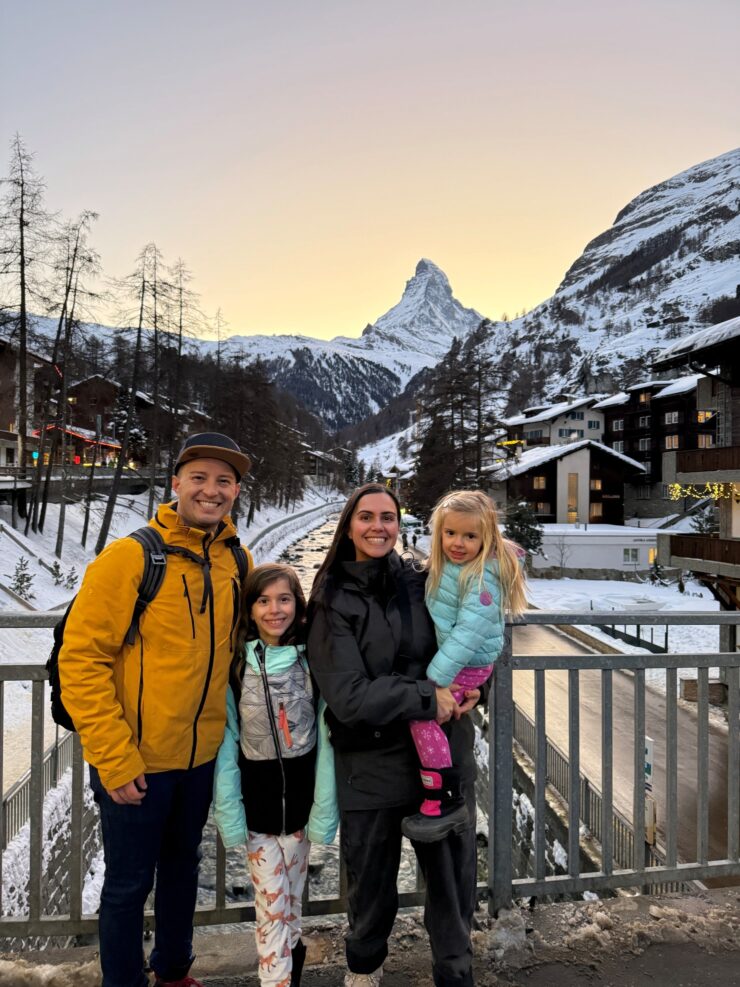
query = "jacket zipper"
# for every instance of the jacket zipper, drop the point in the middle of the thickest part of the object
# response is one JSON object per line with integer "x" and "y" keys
{"x": 207, "y": 597}
{"x": 186, "y": 594}
{"x": 139, "y": 704}
{"x": 235, "y": 619}
{"x": 260, "y": 652}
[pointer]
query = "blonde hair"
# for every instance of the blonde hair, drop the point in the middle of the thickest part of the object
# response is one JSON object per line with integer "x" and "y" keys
{"x": 494, "y": 546}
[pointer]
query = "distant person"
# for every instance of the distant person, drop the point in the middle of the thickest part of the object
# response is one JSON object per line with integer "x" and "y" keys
{"x": 414, "y": 539}
{"x": 150, "y": 708}
{"x": 475, "y": 574}
{"x": 370, "y": 639}
{"x": 274, "y": 771}
{"x": 405, "y": 541}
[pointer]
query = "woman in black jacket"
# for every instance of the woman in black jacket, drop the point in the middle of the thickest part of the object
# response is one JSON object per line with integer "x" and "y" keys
{"x": 370, "y": 640}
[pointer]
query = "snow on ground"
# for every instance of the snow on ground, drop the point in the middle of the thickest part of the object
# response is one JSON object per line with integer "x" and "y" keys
{"x": 602, "y": 595}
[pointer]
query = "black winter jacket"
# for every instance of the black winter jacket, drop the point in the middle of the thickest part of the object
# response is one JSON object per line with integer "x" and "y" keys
{"x": 371, "y": 672}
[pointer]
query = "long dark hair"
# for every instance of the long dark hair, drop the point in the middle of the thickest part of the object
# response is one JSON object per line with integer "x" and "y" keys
{"x": 258, "y": 579}
{"x": 341, "y": 548}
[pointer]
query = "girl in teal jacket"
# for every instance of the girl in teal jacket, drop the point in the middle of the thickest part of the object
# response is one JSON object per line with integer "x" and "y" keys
{"x": 474, "y": 576}
{"x": 275, "y": 766}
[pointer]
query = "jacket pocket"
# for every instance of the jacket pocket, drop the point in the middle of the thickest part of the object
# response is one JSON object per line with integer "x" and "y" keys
{"x": 186, "y": 594}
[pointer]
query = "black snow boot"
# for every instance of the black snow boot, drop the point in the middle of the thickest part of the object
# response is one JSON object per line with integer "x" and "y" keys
{"x": 443, "y": 811}
{"x": 299, "y": 958}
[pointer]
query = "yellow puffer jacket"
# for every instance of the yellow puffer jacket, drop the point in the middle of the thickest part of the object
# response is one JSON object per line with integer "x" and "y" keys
{"x": 159, "y": 704}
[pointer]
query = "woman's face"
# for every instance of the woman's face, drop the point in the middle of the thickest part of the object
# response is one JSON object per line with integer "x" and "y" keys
{"x": 373, "y": 527}
{"x": 274, "y": 611}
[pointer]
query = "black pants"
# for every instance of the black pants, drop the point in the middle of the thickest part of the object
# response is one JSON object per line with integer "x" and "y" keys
{"x": 371, "y": 847}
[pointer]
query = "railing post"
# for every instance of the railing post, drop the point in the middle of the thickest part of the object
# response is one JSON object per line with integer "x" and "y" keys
{"x": 501, "y": 773}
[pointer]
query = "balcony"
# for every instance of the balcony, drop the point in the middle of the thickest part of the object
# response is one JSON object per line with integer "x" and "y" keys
{"x": 701, "y": 553}
{"x": 718, "y": 464}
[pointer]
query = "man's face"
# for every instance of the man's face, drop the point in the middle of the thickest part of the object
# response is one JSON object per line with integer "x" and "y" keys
{"x": 206, "y": 490}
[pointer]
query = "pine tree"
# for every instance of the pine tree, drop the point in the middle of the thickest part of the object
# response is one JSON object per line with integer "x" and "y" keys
{"x": 57, "y": 574}
{"x": 706, "y": 522}
{"x": 523, "y": 527}
{"x": 22, "y": 580}
{"x": 71, "y": 579}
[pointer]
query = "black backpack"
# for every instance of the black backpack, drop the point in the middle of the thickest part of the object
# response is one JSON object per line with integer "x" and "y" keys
{"x": 155, "y": 566}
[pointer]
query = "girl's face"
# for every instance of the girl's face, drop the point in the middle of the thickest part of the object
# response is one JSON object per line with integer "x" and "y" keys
{"x": 373, "y": 527}
{"x": 274, "y": 610}
{"x": 461, "y": 537}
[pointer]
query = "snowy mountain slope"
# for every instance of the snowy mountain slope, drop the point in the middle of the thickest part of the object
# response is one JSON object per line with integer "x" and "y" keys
{"x": 669, "y": 265}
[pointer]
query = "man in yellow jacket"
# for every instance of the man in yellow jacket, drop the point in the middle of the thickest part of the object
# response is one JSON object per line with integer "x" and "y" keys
{"x": 151, "y": 713}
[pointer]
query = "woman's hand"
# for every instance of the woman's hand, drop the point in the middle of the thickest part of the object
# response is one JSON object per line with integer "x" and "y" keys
{"x": 472, "y": 698}
{"x": 446, "y": 705}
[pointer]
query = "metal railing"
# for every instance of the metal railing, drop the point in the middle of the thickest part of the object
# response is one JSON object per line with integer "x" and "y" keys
{"x": 635, "y": 872}
{"x": 17, "y": 800}
{"x": 622, "y": 864}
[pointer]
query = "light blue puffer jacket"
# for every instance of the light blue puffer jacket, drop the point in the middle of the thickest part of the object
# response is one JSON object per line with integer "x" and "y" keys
{"x": 228, "y": 807}
{"x": 470, "y": 631}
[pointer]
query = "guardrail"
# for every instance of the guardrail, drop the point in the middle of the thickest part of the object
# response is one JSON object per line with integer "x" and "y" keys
{"x": 635, "y": 872}
{"x": 617, "y": 869}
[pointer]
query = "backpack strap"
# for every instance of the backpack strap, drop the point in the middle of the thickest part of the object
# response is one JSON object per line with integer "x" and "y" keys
{"x": 240, "y": 557}
{"x": 155, "y": 566}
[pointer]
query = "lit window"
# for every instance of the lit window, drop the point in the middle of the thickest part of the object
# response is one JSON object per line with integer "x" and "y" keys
{"x": 596, "y": 484}
{"x": 644, "y": 421}
{"x": 671, "y": 442}
{"x": 597, "y": 510}
{"x": 652, "y": 555}
{"x": 539, "y": 482}
{"x": 671, "y": 417}
{"x": 704, "y": 416}
{"x": 618, "y": 425}
{"x": 630, "y": 555}
{"x": 704, "y": 441}
{"x": 644, "y": 397}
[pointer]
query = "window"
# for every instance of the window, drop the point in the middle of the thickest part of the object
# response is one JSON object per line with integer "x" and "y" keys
{"x": 644, "y": 445}
{"x": 618, "y": 446}
{"x": 704, "y": 416}
{"x": 577, "y": 416}
{"x": 644, "y": 397}
{"x": 618, "y": 425}
{"x": 671, "y": 442}
{"x": 9, "y": 456}
{"x": 666, "y": 491}
{"x": 572, "y": 498}
{"x": 644, "y": 421}
{"x": 542, "y": 507}
{"x": 630, "y": 555}
{"x": 704, "y": 441}
{"x": 597, "y": 510}
{"x": 593, "y": 423}
{"x": 539, "y": 482}
{"x": 596, "y": 484}
{"x": 647, "y": 466}
{"x": 570, "y": 433}
{"x": 536, "y": 433}
{"x": 671, "y": 418}
{"x": 652, "y": 555}
{"x": 643, "y": 491}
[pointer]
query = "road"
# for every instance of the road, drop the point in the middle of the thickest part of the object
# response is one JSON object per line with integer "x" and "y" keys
{"x": 543, "y": 640}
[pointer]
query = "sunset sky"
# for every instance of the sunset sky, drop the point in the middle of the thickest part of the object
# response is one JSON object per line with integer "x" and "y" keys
{"x": 302, "y": 156}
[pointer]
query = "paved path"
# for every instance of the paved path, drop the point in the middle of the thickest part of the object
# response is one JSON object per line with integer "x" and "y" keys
{"x": 538, "y": 639}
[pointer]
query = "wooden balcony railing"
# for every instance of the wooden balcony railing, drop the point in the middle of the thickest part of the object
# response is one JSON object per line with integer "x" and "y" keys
{"x": 708, "y": 460}
{"x": 706, "y": 548}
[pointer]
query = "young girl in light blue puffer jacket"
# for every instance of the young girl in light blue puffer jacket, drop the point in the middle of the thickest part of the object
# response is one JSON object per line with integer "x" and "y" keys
{"x": 474, "y": 576}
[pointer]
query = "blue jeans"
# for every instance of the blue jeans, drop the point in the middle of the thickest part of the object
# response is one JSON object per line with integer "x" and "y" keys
{"x": 162, "y": 834}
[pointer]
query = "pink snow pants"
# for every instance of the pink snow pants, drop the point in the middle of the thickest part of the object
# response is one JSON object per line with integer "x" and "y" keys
{"x": 429, "y": 738}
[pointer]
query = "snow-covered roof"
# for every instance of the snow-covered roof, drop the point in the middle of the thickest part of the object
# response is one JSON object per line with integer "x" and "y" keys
{"x": 680, "y": 386}
{"x": 531, "y": 458}
{"x": 701, "y": 340}
{"x": 647, "y": 383}
{"x": 548, "y": 412}
{"x": 615, "y": 399}
{"x": 85, "y": 380}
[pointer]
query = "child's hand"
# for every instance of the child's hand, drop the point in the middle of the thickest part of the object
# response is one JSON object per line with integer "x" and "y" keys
{"x": 472, "y": 698}
{"x": 446, "y": 705}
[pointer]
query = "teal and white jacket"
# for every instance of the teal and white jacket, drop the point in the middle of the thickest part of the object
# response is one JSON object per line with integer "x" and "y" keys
{"x": 237, "y": 762}
{"x": 470, "y": 627}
